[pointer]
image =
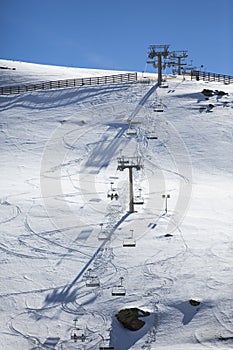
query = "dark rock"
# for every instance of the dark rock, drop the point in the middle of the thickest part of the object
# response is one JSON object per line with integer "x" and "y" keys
{"x": 220, "y": 93}
{"x": 207, "y": 92}
{"x": 129, "y": 318}
{"x": 210, "y": 107}
{"x": 194, "y": 302}
{"x": 225, "y": 338}
{"x": 4, "y": 67}
{"x": 168, "y": 235}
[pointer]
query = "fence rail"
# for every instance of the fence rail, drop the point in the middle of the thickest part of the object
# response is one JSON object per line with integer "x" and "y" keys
{"x": 208, "y": 76}
{"x": 61, "y": 84}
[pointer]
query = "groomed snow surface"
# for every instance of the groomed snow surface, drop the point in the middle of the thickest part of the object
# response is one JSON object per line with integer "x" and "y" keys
{"x": 60, "y": 151}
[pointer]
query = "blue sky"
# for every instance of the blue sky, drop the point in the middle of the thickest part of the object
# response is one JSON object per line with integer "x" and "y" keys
{"x": 116, "y": 34}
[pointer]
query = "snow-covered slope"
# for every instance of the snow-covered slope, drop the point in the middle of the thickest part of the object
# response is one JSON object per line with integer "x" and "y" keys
{"x": 60, "y": 152}
{"x": 14, "y": 72}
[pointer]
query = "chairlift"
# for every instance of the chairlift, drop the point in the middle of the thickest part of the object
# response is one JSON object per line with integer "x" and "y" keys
{"x": 105, "y": 345}
{"x": 163, "y": 84}
{"x": 151, "y": 135}
{"x": 92, "y": 280}
{"x": 131, "y": 130}
{"x": 119, "y": 290}
{"x": 104, "y": 235}
{"x": 138, "y": 199}
{"x": 77, "y": 333}
{"x": 129, "y": 241}
{"x": 157, "y": 106}
{"x": 112, "y": 193}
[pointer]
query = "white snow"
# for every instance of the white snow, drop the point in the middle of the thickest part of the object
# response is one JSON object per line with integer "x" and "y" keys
{"x": 59, "y": 155}
{"x": 14, "y": 72}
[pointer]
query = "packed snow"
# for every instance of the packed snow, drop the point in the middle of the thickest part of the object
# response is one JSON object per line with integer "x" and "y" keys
{"x": 61, "y": 230}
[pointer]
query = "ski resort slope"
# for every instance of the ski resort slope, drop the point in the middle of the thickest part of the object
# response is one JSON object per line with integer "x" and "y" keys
{"x": 61, "y": 157}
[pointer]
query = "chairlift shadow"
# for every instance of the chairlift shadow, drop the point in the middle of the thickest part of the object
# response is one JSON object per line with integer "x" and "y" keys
{"x": 64, "y": 295}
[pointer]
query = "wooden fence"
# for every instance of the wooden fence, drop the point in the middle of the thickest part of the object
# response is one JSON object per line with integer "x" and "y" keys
{"x": 68, "y": 83}
{"x": 207, "y": 76}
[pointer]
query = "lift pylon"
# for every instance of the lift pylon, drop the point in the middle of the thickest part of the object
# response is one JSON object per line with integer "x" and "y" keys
{"x": 130, "y": 163}
{"x": 177, "y": 58}
{"x": 156, "y": 54}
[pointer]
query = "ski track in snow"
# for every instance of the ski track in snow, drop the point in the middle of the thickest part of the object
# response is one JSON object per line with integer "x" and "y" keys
{"x": 64, "y": 255}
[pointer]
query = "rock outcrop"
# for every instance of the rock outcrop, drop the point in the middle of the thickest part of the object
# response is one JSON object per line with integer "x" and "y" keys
{"x": 130, "y": 318}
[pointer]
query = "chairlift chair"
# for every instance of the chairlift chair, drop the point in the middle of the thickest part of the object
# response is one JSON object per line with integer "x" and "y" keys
{"x": 131, "y": 131}
{"x": 158, "y": 108}
{"x": 151, "y": 135}
{"x": 138, "y": 199}
{"x": 129, "y": 241}
{"x": 93, "y": 281}
{"x": 163, "y": 84}
{"x": 105, "y": 345}
{"x": 104, "y": 235}
{"x": 119, "y": 290}
{"x": 77, "y": 334}
{"x": 112, "y": 193}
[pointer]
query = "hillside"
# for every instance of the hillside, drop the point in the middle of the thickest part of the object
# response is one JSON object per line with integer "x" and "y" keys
{"x": 60, "y": 153}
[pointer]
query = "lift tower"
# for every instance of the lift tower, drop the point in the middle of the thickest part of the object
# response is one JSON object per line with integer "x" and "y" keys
{"x": 130, "y": 163}
{"x": 176, "y": 58}
{"x": 156, "y": 53}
